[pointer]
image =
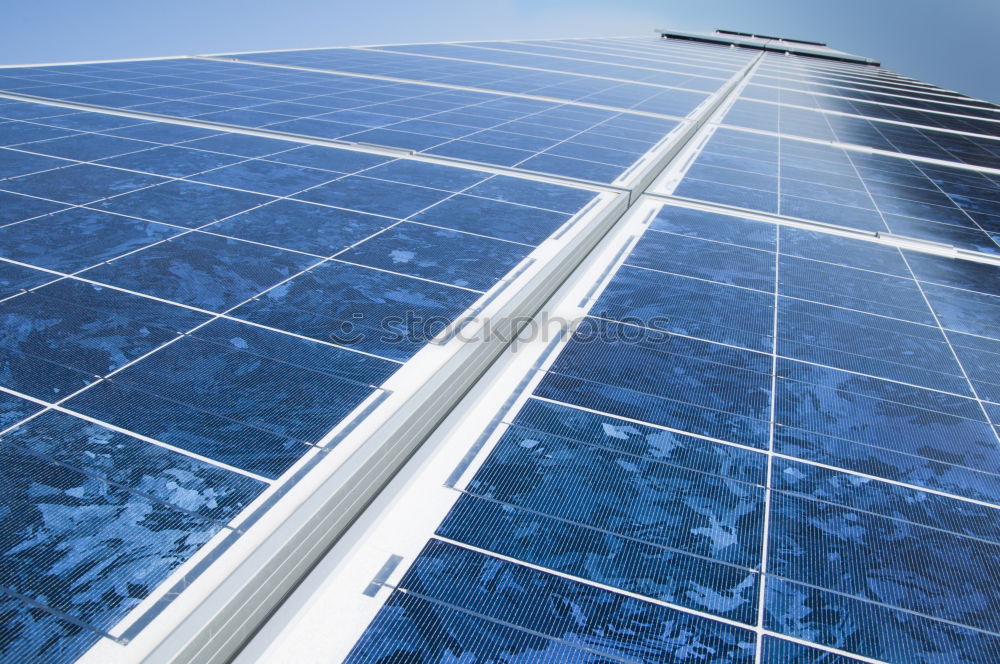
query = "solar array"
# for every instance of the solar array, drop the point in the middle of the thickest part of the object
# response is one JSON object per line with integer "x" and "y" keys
{"x": 172, "y": 310}
{"x": 770, "y": 436}
{"x": 822, "y": 182}
{"x": 847, "y": 378}
{"x": 549, "y": 136}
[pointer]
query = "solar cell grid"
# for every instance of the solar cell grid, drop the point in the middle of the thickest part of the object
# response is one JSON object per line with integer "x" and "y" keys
{"x": 824, "y": 183}
{"x": 822, "y": 101}
{"x": 576, "y": 141}
{"x": 860, "y": 82}
{"x": 964, "y": 149}
{"x": 961, "y": 105}
{"x": 557, "y": 63}
{"x": 172, "y": 298}
{"x": 588, "y": 52}
{"x": 761, "y": 443}
{"x": 901, "y": 110}
{"x": 863, "y": 73}
{"x": 572, "y": 87}
{"x": 661, "y": 52}
{"x": 610, "y": 477}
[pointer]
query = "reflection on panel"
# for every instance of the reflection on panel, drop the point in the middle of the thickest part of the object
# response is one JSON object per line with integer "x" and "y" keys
{"x": 976, "y": 150}
{"x": 868, "y": 192}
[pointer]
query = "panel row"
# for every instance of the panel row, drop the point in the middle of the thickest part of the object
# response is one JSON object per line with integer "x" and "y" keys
{"x": 975, "y": 150}
{"x": 848, "y": 188}
{"x": 958, "y": 119}
{"x": 549, "y": 137}
{"x": 619, "y": 93}
{"x": 912, "y": 93}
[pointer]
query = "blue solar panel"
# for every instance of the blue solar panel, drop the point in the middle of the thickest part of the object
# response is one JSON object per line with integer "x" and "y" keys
{"x": 620, "y": 93}
{"x": 659, "y": 76}
{"x": 188, "y": 314}
{"x": 546, "y": 136}
{"x": 760, "y": 441}
{"x": 936, "y": 115}
{"x": 976, "y": 150}
{"x": 780, "y": 175}
{"x": 603, "y": 52}
{"x": 907, "y": 96}
{"x": 640, "y": 462}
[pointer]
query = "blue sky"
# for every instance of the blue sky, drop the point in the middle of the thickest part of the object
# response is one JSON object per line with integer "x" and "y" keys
{"x": 950, "y": 43}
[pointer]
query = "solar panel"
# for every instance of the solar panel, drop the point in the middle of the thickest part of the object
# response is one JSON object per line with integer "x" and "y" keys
{"x": 190, "y": 315}
{"x": 812, "y": 397}
{"x": 549, "y": 136}
{"x": 904, "y": 110}
{"x": 587, "y": 350}
{"x": 929, "y": 143}
{"x": 826, "y": 183}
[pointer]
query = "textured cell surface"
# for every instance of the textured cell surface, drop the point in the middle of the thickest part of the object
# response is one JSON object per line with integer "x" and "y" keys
{"x": 84, "y": 547}
{"x": 181, "y": 310}
{"x": 772, "y": 436}
{"x": 640, "y": 462}
{"x": 559, "y": 613}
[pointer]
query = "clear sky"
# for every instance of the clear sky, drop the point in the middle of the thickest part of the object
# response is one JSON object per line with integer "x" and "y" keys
{"x": 952, "y": 43}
